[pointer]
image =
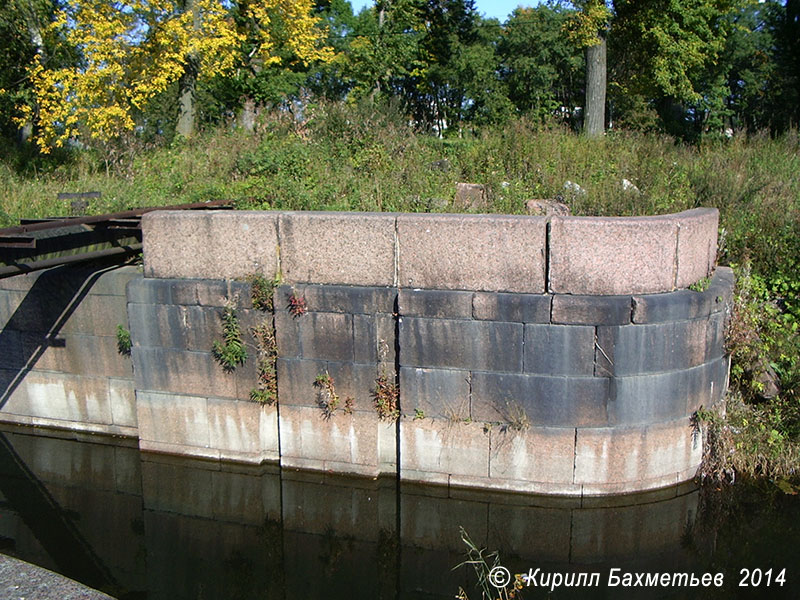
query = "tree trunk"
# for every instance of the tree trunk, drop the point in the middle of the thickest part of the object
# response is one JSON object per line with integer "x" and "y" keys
{"x": 187, "y": 86}
{"x": 186, "y": 100}
{"x": 594, "y": 109}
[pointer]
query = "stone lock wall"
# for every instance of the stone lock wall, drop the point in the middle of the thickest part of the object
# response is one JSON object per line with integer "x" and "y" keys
{"x": 559, "y": 355}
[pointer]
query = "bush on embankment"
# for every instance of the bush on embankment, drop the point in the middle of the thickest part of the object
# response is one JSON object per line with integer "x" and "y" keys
{"x": 367, "y": 158}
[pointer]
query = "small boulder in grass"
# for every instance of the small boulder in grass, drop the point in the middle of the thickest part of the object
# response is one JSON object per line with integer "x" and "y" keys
{"x": 547, "y": 208}
{"x": 471, "y": 196}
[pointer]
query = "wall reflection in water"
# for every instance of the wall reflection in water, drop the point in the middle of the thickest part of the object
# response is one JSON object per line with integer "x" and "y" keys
{"x": 149, "y": 526}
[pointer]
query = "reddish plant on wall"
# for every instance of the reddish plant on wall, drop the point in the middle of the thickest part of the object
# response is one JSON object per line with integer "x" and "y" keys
{"x": 297, "y": 305}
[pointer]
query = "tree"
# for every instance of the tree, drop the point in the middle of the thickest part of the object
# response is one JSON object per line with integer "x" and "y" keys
{"x": 543, "y": 71}
{"x": 588, "y": 30}
{"x": 664, "y": 51}
{"x": 130, "y": 51}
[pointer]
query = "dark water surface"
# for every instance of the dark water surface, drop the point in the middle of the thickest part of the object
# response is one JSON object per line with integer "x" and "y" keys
{"x": 147, "y": 526}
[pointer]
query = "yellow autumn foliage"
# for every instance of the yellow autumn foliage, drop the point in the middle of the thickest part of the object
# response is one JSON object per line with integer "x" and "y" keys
{"x": 132, "y": 50}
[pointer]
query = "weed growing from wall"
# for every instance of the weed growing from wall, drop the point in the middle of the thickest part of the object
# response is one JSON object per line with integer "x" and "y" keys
{"x": 123, "y": 341}
{"x": 230, "y": 352}
{"x": 266, "y": 390}
{"x": 297, "y": 305}
{"x": 385, "y": 397}
{"x": 262, "y": 291}
{"x": 327, "y": 398}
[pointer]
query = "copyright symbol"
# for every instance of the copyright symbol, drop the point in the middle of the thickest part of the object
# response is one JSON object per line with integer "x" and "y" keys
{"x": 499, "y": 577}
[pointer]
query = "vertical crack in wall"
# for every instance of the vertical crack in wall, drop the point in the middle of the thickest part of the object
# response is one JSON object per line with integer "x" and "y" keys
{"x": 675, "y": 265}
{"x": 396, "y": 316}
{"x": 547, "y": 257}
{"x": 575, "y": 455}
{"x": 396, "y": 275}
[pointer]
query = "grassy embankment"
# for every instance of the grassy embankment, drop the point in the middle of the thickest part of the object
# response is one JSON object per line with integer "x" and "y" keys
{"x": 358, "y": 159}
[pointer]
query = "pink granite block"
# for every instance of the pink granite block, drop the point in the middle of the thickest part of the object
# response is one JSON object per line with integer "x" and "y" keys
{"x": 472, "y": 252}
{"x": 697, "y": 244}
{"x": 209, "y": 244}
{"x": 615, "y": 255}
{"x": 338, "y": 248}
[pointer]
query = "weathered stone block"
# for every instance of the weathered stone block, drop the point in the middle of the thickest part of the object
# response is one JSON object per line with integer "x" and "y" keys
{"x": 374, "y": 339}
{"x": 213, "y": 244}
{"x": 520, "y": 308}
{"x": 356, "y": 382}
{"x": 633, "y": 454}
{"x": 122, "y": 400}
{"x": 327, "y": 336}
{"x": 532, "y": 455}
{"x": 667, "y": 396}
{"x": 697, "y": 244}
{"x": 296, "y": 381}
{"x": 344, "y": 443}
{"x": 658, "y": 347}
{"x": 181, "y": 372}
{"x": 472, "y": 252}
{"x": 57, "y": 396}
{"x": 338, "y": 248}
{"x": 683, "y": 305}
{"x": 149, "y": 291}
{"x": 343, "y": 298}
{"x": 461, "y": 344}
{"x": 174, "y": 326}
{"x": 243, "y": 431}
{"x": 559, "y": 349}
{"x": 438, "y": 393}
{"x": 77, "y": 354}
{"x": 114, "y": 280}
{"x": 443, "y": 304}
{"x": 173, "y": 418}
{"x": 537, "y": 400}
{"x": 591, "y": 310}
{"x": 432, "y": 449}
{"x": 612, "y": 256}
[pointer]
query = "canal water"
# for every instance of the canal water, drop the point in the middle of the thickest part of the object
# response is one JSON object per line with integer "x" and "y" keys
{"x": 143, "y": 526}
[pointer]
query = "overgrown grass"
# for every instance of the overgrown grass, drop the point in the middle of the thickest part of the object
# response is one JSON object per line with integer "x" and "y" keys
{"x": 367, "y": 158}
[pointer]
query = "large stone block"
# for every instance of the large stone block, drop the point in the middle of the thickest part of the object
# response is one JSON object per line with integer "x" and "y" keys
{"x": 338, "y": 248}
{"x": 122, "y": 398}
{"x": 57, "y": 396}
{"x": 442, "y": 304}
{"x": 324, "y": 336}
{"x": 296, "y": 379}
{"x": 356, "y": 382}
{"x": 374, "y": 339}
{"x": 697, "y": 245}
{"x": 342, "y": 443}
{"x": 175, "y": 326}
{"x": 612, "y": 256}
{"x": 113, "y": 281}
{"x": 243, "y": 431}
{"x": 461, "y": 344}
{"x": 533, "y": 455}
{"x": 173, "y": 419}
{"x": 537, "y": 400}
{"x": 472, "y": 252}
{"x": 210, "y": 244}
{"x": 559, "y": 349}
{"x": 434, "y": 450}
{"x": 438, "y": 393}
{"x": 658, "y": 347}
{"x": 591, "y": 310}
{"x": 520, "y": 308}
{"x": 366, "y": 300}
{"x": 683, "y": 305}
{"x": 181, "y": 372}
{"x": 632, "y": 455}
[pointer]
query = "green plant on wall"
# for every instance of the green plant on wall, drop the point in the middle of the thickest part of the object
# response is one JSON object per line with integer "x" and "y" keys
{"x": 230, "y": 352}
{"x": 262, "y": 291}
{"x": 327, "y": 398}
{"x": 123, "y": 341}
{"x": 386, "y": 398}
{"x": 266, "y": 391}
